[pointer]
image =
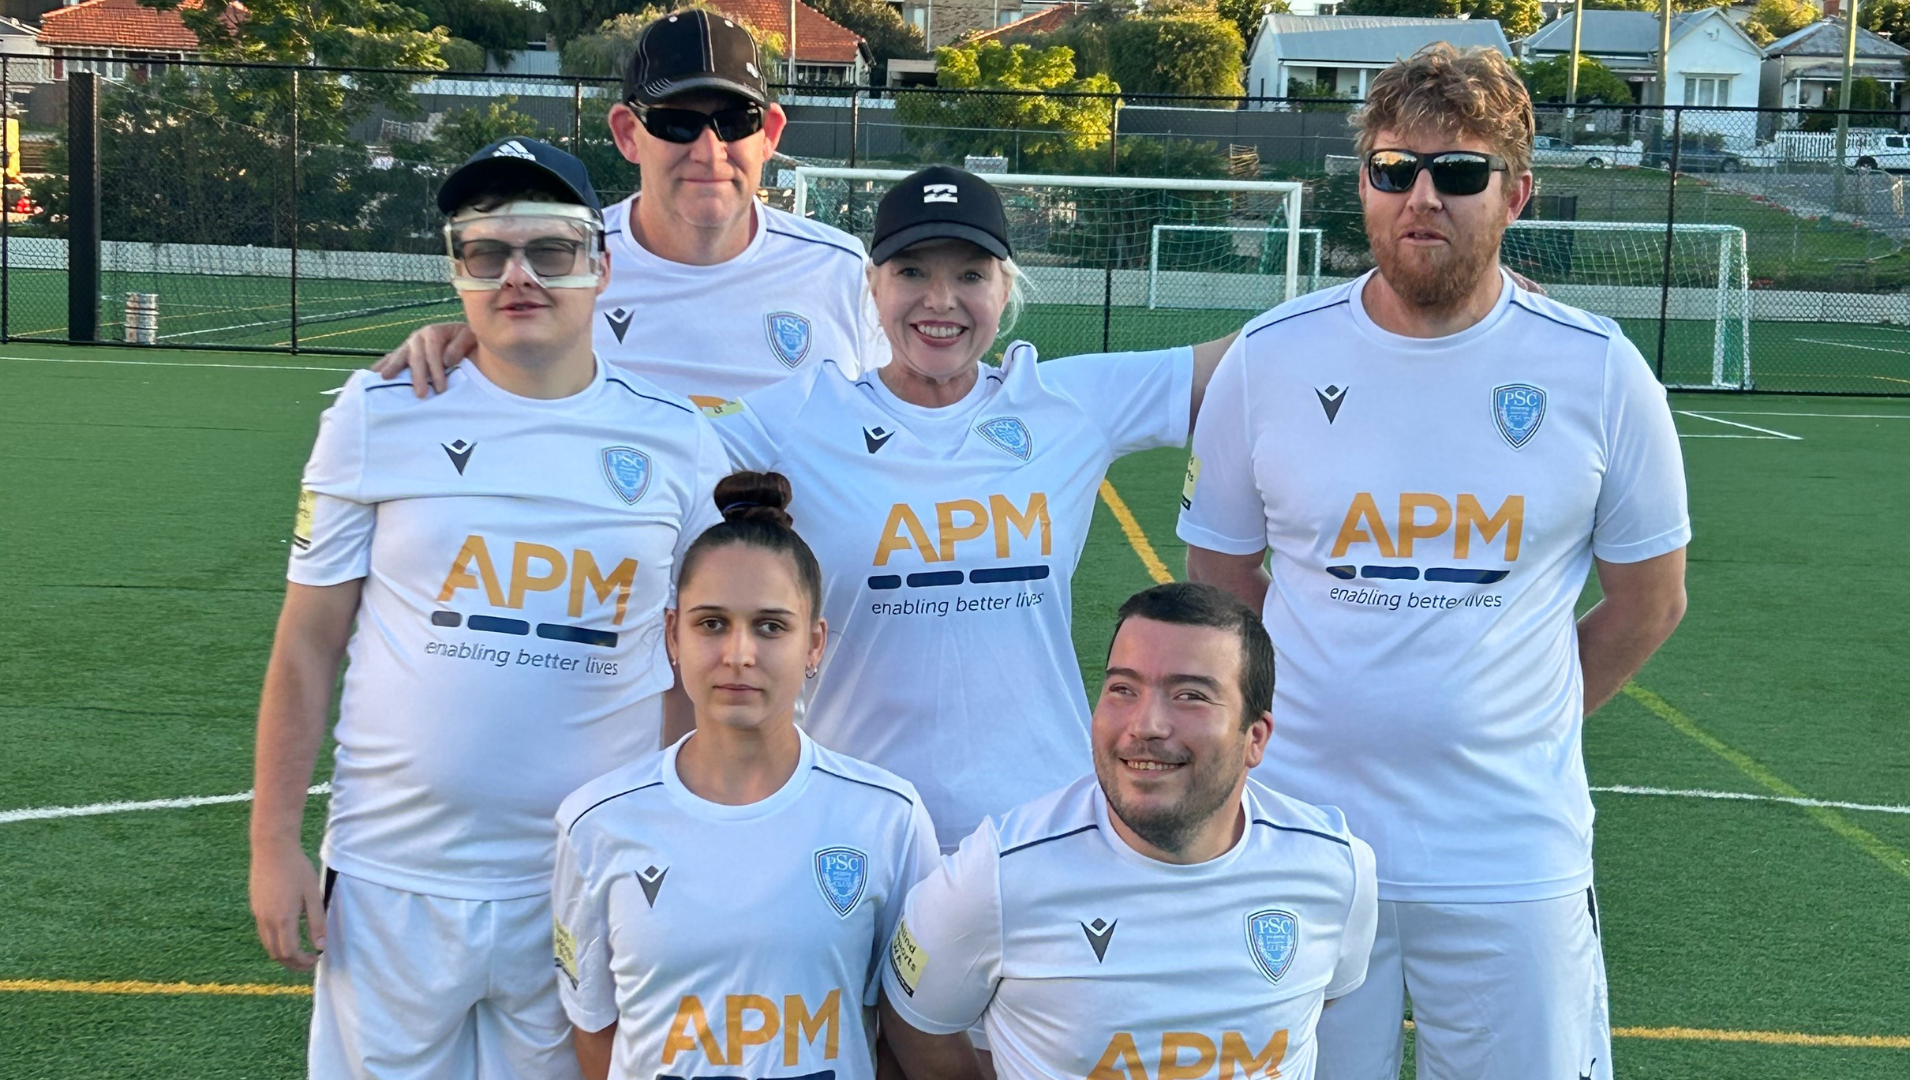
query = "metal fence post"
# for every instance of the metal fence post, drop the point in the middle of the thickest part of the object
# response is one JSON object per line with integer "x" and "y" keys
{"x": 1107, "y": 281}
{"x": 6, "y": 208}
{"x": 83, "y": 207}
{"x": 1671, "y": 218}
{"x": 295, "y": 193}
{"x": 577, "y": 118}
{"x": 855, "y": 123}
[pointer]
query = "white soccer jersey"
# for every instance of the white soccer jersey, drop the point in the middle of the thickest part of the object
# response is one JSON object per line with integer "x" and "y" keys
{"x": 948, "y": 540}
{"x": 795, "y": 297}
{"x": 1433, "y": 507}
{"x": 739, "y": 941}
{"x": 1085, "y": 959}
{"x": 517, "y": 555}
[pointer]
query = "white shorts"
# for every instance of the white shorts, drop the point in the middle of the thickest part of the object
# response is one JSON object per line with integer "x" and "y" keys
{"x": 1512, "y": 991}
{"x": 415, "y": 987}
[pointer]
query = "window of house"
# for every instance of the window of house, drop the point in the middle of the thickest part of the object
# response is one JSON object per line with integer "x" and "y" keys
{"x": 821, "y": 74}
{"x": 1707, "y": 91}
{"x": 916, "y": 15}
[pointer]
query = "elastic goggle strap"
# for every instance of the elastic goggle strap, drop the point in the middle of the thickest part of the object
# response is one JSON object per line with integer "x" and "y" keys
{"x": 589, "y": 221}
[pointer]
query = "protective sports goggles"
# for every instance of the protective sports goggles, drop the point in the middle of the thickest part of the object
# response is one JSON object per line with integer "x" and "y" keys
{"x": 686, "y": 125}
{"x": 1454, "y": 172}
{"x": 559, "y": 245}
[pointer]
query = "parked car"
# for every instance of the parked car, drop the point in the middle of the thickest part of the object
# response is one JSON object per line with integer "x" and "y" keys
{"x": 1694, "y": 159}
{"x": 1547, "y": 150}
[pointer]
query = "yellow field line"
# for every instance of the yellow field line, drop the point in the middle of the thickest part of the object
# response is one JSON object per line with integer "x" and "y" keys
{"x": 1867, "y": 842}
{"x": 1767, "y": 1038}
{"x": 1136, "y": 538}
{"x": 70, "y": 986}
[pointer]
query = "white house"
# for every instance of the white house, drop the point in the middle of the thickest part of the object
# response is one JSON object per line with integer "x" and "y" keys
{"x": 1341, "y": 52}
{"x": 1711, "y": 62}
{"x": 1805, "y": 69}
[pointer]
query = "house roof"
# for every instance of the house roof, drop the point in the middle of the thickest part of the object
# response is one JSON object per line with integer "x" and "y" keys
{"x": 819, "y": 39}
{"x": 1371, "y": 39}
{"x": 1618, "y": 33}
{"x": 1041, "y": 22}
{"x": 1827, "y": 39}
{"x": 118, "y": 24}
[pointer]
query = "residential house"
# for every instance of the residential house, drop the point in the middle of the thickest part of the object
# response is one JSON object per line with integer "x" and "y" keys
{"x": 28, "y": 61}
{"x": 1044, "y": 20}
{"x": 942, "y": 22}
{"x": 118, "y": 39}
{"x": 1711, "y": 62}
{"x": 1341, "y": 52}
{"x": 827, "y": 53}
{"x": 1804, "y": 70}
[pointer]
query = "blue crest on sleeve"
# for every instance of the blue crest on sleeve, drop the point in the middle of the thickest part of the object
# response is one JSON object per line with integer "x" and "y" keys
{"x": 628, "y": 471}
{"x": 1273, "y": 937}
{"x": 1008, "y": 433}
{"x": 788, "y": 336}
{"x": 842, "y": 873}
{"x": 1519, "y": 409}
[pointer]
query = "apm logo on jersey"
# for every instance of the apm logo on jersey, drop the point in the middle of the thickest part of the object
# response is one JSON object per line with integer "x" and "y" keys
{"x": 960, "y": 521}
{"x": 842, "y": 873}
{"x": 536, "y": 568}
{"x": 1364, "y": 524}
{"x": 754, "y": 1020}
{"x": 788, "y": 336}
{"x": 1192, "y": 1055}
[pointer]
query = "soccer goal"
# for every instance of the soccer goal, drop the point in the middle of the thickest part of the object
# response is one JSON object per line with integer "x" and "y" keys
{"x": 1226, "y": 266}
{"x": 1085, "y": 245}
{"x": 1618, "y": 269}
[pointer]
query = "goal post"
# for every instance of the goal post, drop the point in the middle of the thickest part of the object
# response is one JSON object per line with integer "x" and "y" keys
{"x": 1229, "y": 266}
{"x": 1619, "y": 269}
{"x": 1085, "y": 245}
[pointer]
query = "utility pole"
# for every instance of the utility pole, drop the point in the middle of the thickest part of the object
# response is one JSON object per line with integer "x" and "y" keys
{"x": 792, "y": 46}
{"x": 1571, "y": 78}
{"x": 1843, "y": 102}
{"x": 1664, "y": 77}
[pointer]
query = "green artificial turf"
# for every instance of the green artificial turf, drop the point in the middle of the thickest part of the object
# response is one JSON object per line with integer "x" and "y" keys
{"x": 143, "y": 517}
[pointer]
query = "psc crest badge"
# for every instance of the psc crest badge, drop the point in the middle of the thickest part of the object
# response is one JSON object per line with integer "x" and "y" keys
{"x": 1008, "y": 433}
{"x": 1518, "y": 409}
{"x": 628, "y": 471}
{"x": 788, "y": 336}
{"x": 1273, "y": 937}
{"x": 842, "y": 873}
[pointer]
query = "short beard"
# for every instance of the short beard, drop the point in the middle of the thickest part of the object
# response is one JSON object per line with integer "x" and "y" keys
{"x": 1172, "y": 828}
{"x": 1441, "y": 284}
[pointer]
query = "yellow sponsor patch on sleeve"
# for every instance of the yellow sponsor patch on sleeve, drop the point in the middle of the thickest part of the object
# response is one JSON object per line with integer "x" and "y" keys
{"x": 302, "y": 522}
{"x": 715, "y": 407}
{"x": 906, "y": 958}
{"x": 564, "y": 945}
{"x": 1193, "y": 477}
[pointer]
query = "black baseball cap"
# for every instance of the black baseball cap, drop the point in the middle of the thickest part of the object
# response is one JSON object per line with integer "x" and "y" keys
{"x": 521, "y": 164}
{"x": 694, "y": 50}
{"x": 940, "y": 202}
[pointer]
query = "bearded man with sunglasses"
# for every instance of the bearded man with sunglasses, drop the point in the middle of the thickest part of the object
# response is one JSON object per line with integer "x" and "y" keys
{"x": 1435, "y": 460}
{"x": 495, "y": 562}
{"x": 715, "y": 294}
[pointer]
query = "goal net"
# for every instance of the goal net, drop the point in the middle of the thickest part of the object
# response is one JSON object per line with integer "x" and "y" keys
{"x": 1226, "y": 266}
{"x": 1085, "y": 245}
{"x": 1619, "y": 270}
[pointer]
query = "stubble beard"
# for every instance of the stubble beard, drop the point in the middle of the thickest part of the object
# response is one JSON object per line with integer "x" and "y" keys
{"x": 1171, "y": 828}
{"x": 1437, "y": 282}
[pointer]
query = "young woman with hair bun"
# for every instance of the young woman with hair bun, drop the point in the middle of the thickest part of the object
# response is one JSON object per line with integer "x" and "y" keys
{"x": 721, "y": 905}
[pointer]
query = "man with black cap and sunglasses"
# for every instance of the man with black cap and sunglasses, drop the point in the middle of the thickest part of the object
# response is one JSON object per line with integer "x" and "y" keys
{"x": 715, "y": 294}
{"x": 495, "y": 561}
{"x": 1436, "y": 459}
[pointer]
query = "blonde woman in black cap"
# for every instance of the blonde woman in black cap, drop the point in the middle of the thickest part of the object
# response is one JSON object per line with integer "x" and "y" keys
{"x": 948, "y": 501}
{"x": 495, "y": 561}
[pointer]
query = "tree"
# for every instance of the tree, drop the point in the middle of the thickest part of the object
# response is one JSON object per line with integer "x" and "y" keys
{"x": 1246, "y": 14}
{"x": 1887, "y": 17}
{"x": 1191, "y": 50}
{"x": 1548, "y": 80}
{"x": 1518, "y": 18}
{"x": 606, "y": 48}
{"x": 1026, "y": 127}
{"x": 1870, "y": 106}
{"x": 881, "y": 25}
{"x": 500, "y": 27}
{"x": 1773, "y": 19}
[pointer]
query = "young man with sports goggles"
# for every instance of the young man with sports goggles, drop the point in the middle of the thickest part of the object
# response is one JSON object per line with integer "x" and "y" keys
{"x": 715, "y": 294}
{"x": 1437, "y": 460}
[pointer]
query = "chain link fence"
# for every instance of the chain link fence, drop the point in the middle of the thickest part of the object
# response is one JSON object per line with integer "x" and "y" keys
{"x": 274, "y": 208}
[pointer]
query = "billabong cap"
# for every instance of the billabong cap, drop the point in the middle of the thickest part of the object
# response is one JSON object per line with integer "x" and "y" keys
{"x": 940, "y": 203}
{"x": 694, "y": 50}
{"x": 519, "y": 163}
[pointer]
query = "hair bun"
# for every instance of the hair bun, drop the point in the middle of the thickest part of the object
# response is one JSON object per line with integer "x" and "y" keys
{"x": 754, "y": 496}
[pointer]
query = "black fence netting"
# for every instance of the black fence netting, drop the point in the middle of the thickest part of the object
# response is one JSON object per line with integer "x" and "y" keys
{"x": 261, "y": 207}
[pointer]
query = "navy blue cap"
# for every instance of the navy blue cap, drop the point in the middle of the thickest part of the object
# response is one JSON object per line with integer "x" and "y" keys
{"x": 518, "y": 163}
{"x": 940, "y": 202}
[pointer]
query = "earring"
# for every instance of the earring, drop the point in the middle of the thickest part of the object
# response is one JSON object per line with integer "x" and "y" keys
{"x": 810, "y": 673}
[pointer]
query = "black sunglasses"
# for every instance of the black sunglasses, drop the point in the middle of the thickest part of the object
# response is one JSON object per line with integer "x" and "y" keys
{"x": 1454, "y": 172}
{"x": 686, "y": 125}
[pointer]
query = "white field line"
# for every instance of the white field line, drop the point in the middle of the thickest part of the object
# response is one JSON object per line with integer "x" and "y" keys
{"x": 1769, "y": 432}
{"x": 1849, "y": 345}
{"x": 166, "y": 363}
{"x": 1827, "y": 415}
{"x": 42, "y": 813}
{"x": 1740, "y": 796}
